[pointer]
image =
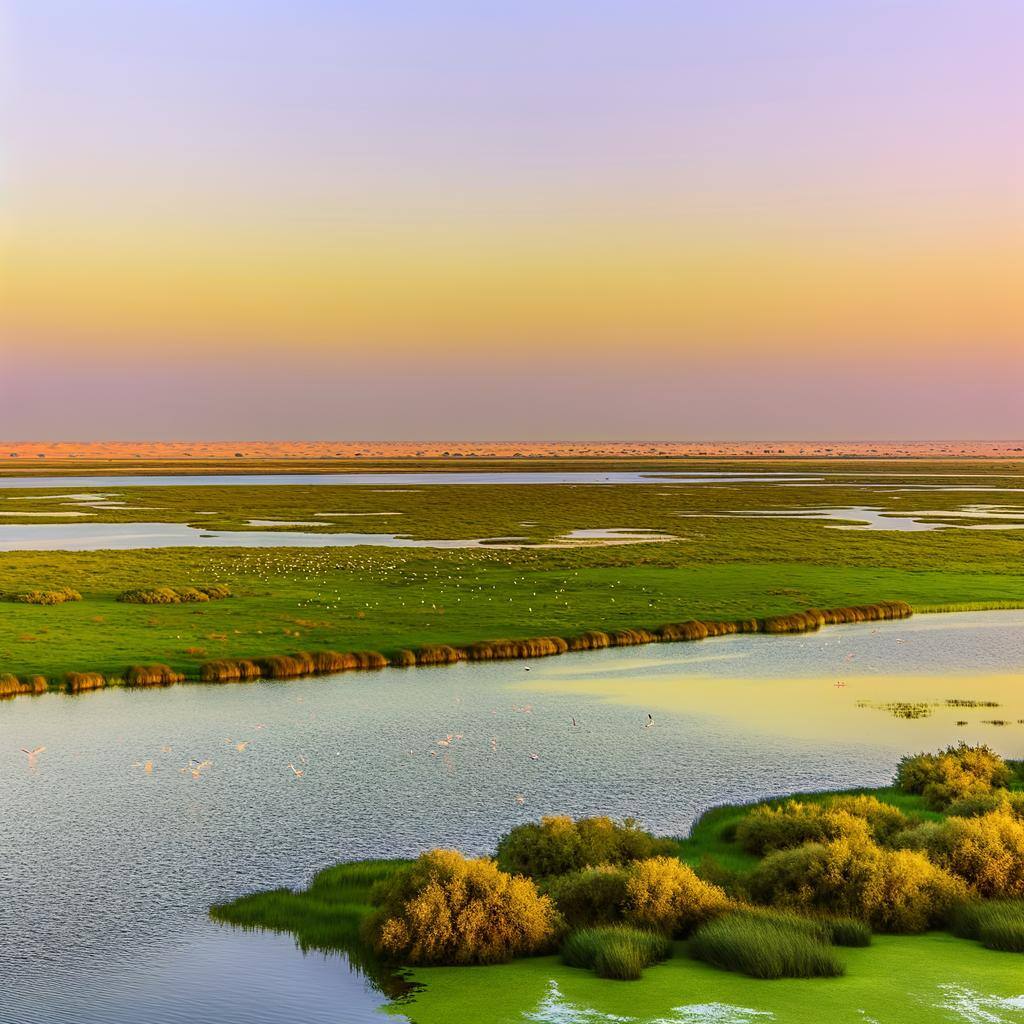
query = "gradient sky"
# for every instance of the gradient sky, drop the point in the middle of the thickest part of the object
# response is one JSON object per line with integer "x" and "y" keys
{"x": 714, "y": 219}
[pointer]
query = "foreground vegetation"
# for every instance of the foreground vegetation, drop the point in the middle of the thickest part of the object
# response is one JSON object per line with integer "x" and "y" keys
{"x": 721, "y": 565}
{"x": 803, "y": 879}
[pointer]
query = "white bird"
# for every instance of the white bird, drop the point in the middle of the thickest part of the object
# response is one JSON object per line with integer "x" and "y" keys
{"x": 298, "y": 772}
{"x": 650, "y": 721}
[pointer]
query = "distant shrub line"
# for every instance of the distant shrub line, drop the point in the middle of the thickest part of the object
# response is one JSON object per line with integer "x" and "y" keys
{"x": 310, "y": 663}
{"x": 60, "y": 595}
{"x": 175, "y": 595}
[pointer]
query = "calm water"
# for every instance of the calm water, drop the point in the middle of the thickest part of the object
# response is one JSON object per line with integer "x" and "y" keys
{"x": 108, "y": 870}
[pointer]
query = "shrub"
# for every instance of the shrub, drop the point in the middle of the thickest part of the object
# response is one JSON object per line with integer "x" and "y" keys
{"x": 664, "y": 894}
{"x": 445, "y": 909}
{"x": 58, "y": 596}
{"x": 952, "y": 774}
{"x": 894, "y": 890}
{"x": 616, "y": 951}
{"x": 986, "y": 851}
{"x": 765, "y": 945}
{"x": 767, "y": 829}
{"x": 883, "y": 820}
{"x": 590, "y": 896}
{"x": 175, "y": 595}
{"x": 998, "y": 924}
{"x": 557, "y": 845}
{"x": 984, "y": 803}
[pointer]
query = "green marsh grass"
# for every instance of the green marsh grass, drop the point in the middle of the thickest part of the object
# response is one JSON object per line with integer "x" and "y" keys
{"x": 996, "y": 924}
{"x": 767, "y": 945}
{"x": 615, "y": 951}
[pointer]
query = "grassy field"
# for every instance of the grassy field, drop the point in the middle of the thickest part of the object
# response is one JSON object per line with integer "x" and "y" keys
{"x": 721, "y": 564}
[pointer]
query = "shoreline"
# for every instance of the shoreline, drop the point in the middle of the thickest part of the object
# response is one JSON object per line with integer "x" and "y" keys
{"x": 316, "y": 663}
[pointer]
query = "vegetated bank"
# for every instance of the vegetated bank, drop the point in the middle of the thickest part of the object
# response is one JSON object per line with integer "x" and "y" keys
{"x": 306, "y": 663}
{"x": 849, "y": 887}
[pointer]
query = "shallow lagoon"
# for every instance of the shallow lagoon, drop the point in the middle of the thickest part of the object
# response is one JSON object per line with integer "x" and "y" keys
{"x": 109, "y": 868}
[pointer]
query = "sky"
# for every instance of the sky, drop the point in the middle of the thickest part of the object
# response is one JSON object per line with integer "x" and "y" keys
{"x": 696, "y": 219}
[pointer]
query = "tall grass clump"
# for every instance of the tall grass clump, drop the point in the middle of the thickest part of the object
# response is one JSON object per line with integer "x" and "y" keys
{"x": 153, "y": 675}
{"x": 60, "y": 595}
{"x": 763, "y": 945}
{"x": 175, "y": 595}
{"x": 13, "y": 686}
{"x": 997, "y": 924}
{"x": 615, "y": 951}
{"x": 78, "y": 682}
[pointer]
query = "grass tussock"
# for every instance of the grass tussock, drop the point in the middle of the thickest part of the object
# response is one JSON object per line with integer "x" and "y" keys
{"x": 499, "y": 650}
{"x": 439, "y": 654}
{"x": 403, "y": 659}
{"x": 61, "y": 595}
{"x": 229, "y": 670}
{"x": 615, "y": 951}
{"x": 767, "y": 945}
{"x": 152, "y": 675}
{"x": 15, "y": 686}
{"x": 78, "y": 682}
{"x": 175, "y": 595}
{"x": 997, "y": 924}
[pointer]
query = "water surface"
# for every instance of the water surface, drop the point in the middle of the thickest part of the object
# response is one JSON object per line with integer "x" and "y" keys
{"x": 108, "y": 869}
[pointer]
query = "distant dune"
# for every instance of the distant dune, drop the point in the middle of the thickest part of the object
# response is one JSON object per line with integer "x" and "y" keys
{"x": 104, "y": 450}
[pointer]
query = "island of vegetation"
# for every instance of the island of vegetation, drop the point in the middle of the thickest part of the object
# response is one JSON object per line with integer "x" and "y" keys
{"x": 787, "y": 888}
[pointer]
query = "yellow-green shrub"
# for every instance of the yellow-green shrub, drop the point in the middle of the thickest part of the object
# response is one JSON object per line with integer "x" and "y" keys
{"x": 952, "y": 774}
{"x": 986, "y": 851}
{"x": 894, "y": 890}
{"x": 557, "y": 845}
{"x": 591, "y": 896}
{"x": 665, "y": 894}
{"x": 446, "y": 909}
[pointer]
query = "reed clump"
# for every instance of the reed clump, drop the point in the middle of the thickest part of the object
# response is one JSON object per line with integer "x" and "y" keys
{"x": 175, "y": 595}
{"x": 767, "y": 945}
{"x": 499, "y": 650}
{"x": 78, "y": 682}
{"x": 60, "y": 595}
{"x": 997, "y": 924}
{"x": 690, "y": 630}
{"x": 152, "y": 675}
{"x": 14, "y": 686}
{"x": 439, "y": 654}
{"x": 403, "y": 659}
{"x": 615, "y": 951}
{"x": 592, "y": 640}
{"x": 229, "y": 670}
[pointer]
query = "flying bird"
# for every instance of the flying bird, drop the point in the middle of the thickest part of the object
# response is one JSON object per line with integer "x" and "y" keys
{"x": 32, "y": 755}
{"x": 650, "y": 721}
